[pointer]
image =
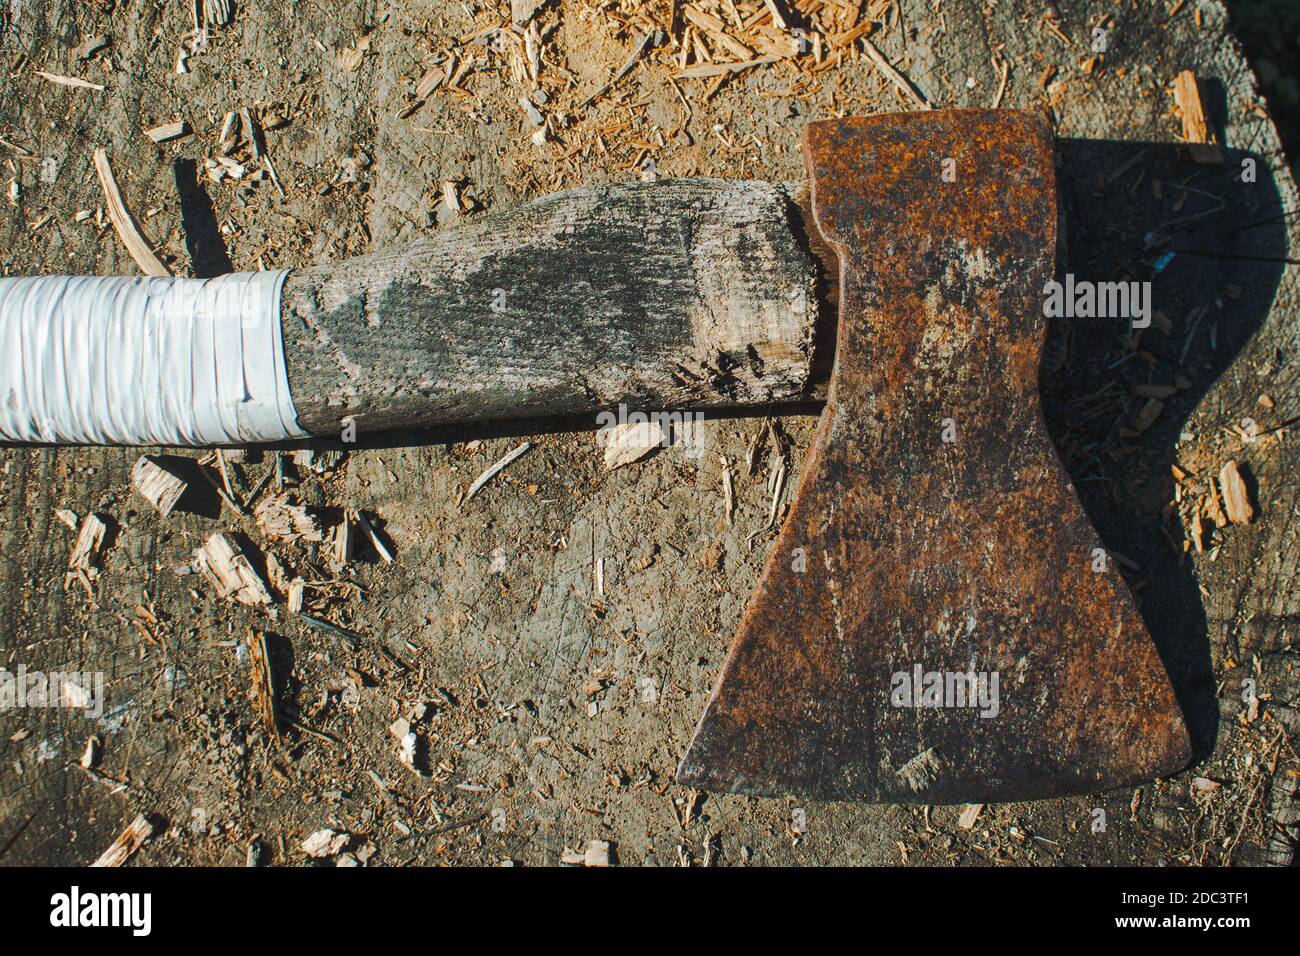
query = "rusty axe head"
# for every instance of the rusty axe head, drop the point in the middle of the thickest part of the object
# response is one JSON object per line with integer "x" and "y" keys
{"x": 932, "y": 625}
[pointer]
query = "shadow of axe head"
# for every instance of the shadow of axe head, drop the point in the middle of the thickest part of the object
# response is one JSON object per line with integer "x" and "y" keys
{"x": 932, "y": 625}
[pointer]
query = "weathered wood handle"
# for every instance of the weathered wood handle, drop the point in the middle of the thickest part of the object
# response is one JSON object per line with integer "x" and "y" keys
{"x": 687, "y": 293}
{"x": 666, "y": 296}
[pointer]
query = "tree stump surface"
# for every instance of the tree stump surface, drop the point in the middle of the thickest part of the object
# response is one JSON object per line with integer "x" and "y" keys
{"x": 565, "y": 625}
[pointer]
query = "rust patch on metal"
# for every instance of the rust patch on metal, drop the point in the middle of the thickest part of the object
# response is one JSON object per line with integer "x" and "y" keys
{"x": 957, "y": 557}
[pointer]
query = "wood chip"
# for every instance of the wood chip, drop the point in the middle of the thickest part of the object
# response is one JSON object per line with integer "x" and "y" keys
{"x": 969, "y": 814}
{"x": 1236, "y": 499}
{"x": 297, "y": 588}
{"x": 1187, "y": 96}
{"x": 168, "y": 131}
{"x": 718, "y": 69}
{"x": 283, "y": 520}
{"x": 1198, "y": 532}
{"x": 67, "y": 517}
{"x": 1197, "y": 131}
{"x": 127, "y": 228}
{"x": 324, "y": 843}
{"x": 229, "y": 137}
{"x": 130, "y": 840}
{"x": 451, "y": 207}
{"x": 69, "y": 81}
{"x": 319, "y": 462}
{"x": 533, "y": 52}
{"x": 705, "y": 21}
{"x": 429, "y": 82}
{"x": 1004, "y": 74}
{"x": 263, "y": 689}
{"x": 1147, "y": 415}
{"x": 408, "y": 745}
{"x": 728, "y": 491}
{"x": 226, "y": 568}
{"x": 458, "y": 75}
{"x": 351, "y": 638}
{"x": 775, "y": 11}
{"x": 776, "y": 481}
{"x": 596, "y": 854}
{"x": 15, "y": 147}
{"x": 90, "y": 540}
{"x": 277, "y": 575}
{"x": 734, "y": 46}
{"x": 233, "y": 503}
{"x": 1214, "y": 508}
{"x": 1154, "y": 391}
{"x": 849, "y": 37}
{"x": 227, "y": 487}
{"x": 630, "y": 441}
{"x": 351, "y": 57}
{"x": 493, "y": 471}
{"x": 341, "y": 542}
{"x": 535, "y": 117}
{"x": 157, "y": 483}
{"x": 910, "y": 92}
{"x": 372, "y": 536}
{"x": 271, "y": 171}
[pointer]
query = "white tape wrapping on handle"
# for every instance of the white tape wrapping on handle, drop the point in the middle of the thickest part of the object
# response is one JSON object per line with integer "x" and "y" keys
{"x": 93, "y": 360}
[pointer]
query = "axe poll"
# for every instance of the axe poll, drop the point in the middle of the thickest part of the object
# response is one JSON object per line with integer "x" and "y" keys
{"x": 958, "y": 561}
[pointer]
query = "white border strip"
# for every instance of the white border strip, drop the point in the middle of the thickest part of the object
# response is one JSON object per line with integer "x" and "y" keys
{"x": 95, "y": 360}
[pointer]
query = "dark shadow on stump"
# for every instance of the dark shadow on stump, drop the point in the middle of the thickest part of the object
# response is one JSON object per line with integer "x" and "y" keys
{"x": 1229, "y": 245}
{"x": 198, "y": 497}
{"x": 285, "y": 683}
{"x": 208, "y": 256}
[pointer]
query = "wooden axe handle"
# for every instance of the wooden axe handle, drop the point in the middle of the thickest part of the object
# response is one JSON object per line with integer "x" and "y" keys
{"x": 667, "y": 296}
{"x": 688, "y": 293}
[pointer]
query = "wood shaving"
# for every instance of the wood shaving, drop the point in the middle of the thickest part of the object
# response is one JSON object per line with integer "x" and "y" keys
{"x": 226, "y": 568}
{"x": 496, "y": 469}
{"x": 124, "y": 847}
{"x": 1236, "y": 499}
{"x": 283, "y": 520}
{"x": 127, "y": 228}
{"x": 157, "y": 483}
{"x": 630, "y": 442}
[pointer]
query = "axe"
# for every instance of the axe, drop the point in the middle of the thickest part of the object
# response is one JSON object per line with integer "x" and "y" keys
{"x": 930, "y": 626}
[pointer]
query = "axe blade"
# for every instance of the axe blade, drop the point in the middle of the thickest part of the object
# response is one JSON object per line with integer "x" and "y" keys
{"x": 929, "y": 627}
